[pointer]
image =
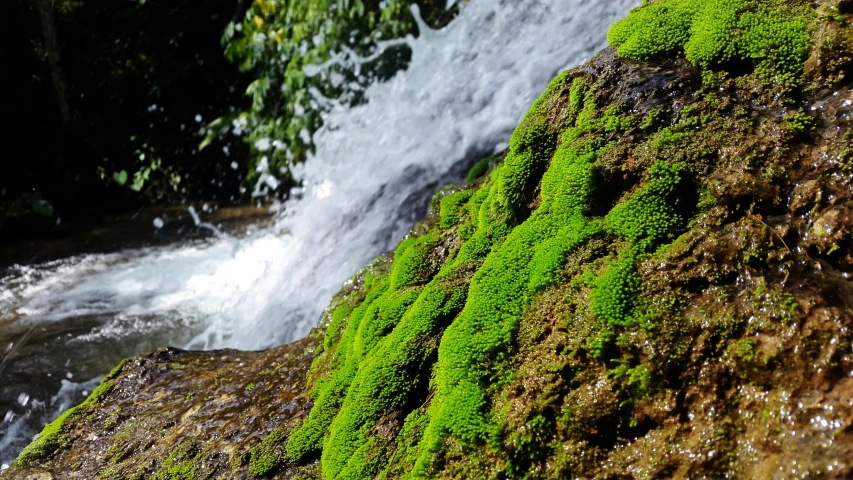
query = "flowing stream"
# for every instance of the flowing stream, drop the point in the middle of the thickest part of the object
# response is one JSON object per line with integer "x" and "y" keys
{"x": 67, "y": 322}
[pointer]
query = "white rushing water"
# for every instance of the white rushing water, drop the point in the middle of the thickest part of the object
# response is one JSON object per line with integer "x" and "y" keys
{"x": 466, "y": 88}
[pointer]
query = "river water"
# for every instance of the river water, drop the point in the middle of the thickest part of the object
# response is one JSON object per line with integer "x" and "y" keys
{"x": 65, "y": 323}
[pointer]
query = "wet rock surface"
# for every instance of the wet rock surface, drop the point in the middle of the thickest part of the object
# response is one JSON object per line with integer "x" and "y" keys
{"x": 726, "y": 351}
{"x": 180, "y": 414}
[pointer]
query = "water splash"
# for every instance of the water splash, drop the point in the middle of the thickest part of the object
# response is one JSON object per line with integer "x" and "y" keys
{"x": 375, "y": 167}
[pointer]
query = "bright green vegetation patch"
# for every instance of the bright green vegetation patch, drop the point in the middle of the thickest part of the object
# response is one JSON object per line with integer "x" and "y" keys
{"x": 53, "y": 437}
{"x": 479, "y": 169}
{"x": 451, "y": 331}
{"x": 799, "y": 122}
{"x": 646, "y": 219}
{"x": 452, "y": 208}
{"x": 182, "y": 463}
{"x": 716, "y": 33}
{"x": 417, "y": 363}
{"x": 384, "y": 357}
{"x": 263, "y": 458}
{"x": 373, "y": 351}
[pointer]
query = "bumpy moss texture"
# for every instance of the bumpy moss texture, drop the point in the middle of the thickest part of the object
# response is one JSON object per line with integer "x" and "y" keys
{"x": 713, "y": 33}
{"x": 651, "y": 283}
{"x": 422, "y": 378}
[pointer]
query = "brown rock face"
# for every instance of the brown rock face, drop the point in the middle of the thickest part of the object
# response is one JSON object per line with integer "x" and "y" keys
{"x": 177, "y": 414}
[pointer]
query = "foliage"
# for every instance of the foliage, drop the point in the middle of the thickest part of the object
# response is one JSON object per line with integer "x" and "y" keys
{"x": 298, "y": 53}
{"x": 181, "y": 464}
{"x": 378, "y": 364}
{"x": 452, "y": 207}
{"x": 30, "y": 203}
{"x": 479, "y": 169}
{"x": 137, "y": 73}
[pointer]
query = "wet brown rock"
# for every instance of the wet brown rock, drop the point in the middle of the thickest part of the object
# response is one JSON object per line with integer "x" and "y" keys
{"x": 178, "y": 414}
{"x": 806, "y": 195}
{"x": 832, "y": 228}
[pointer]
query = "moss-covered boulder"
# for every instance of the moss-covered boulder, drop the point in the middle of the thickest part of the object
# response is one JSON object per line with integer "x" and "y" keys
{"x": 652, "y": 282}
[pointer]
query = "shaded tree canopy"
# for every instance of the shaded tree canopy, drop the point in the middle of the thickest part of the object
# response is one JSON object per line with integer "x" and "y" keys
{"x": 106, "y": 102}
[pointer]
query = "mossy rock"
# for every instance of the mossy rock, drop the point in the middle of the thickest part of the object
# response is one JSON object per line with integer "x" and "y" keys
{"x": 652, "y": 147}
{"x": 176, "y": 415}
{"x": 653, "y": 282}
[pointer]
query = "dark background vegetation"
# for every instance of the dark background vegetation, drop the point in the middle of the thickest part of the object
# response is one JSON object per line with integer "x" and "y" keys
{"x": 112, "y": 106}
{"x": 81, "y": 83}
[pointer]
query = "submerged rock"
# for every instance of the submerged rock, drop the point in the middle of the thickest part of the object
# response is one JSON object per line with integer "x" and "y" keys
{"x": 654, "y": 281}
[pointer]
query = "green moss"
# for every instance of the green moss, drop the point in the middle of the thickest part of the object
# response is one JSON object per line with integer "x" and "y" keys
{"x": 406, "y": 454}
{"x": 384, "y": 307}
{"x": 710, "y": 33}
{"x": 615, "y": 291}
{"x": 264, "y": 458}
{"x": 799, "y": 123}
{"x": 452, "y": 208}
{"x": 411, "y": 263}
{"x": 53, "y": 437}
{"x": 455, "y": 328}
{"x": 530, "y": 148}
{"x": 386, "y": 378}
{"x": 646, "y": 219}
{"x": 49, "y": 441}
{"x": 649, "y": 214}
{"x": 638, "y": 378}
{"x": 655, "y": 119}
{"x": 118, "y": 452}
{"x": 479, "y": 169}
{"x": 774, "y": 302}
{"x": 183, "y": 463}
{"x": 336, "y": 324}
{"x": 777, "y": 46}
{"x": 472, "y": 353}
{"x": 577, "y": 93}
{"x": 384, "y": 352}
{"x": 707, "y": 200}
{"x": 377, "y": 377}
{"x": 743, "y": 348}
{"x": 112, "y": 419}
{"x": 615, "y": 121}
{"x": 655, "y": 30}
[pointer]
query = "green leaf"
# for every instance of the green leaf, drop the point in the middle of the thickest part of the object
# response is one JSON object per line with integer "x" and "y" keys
{"x": 43, "y": 208}
{"x": 207, "y": 141}
{"x": 120, "y": 177}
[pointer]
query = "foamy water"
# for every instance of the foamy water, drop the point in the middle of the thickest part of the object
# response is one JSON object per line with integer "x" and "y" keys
{"x": 375, "y": 167}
